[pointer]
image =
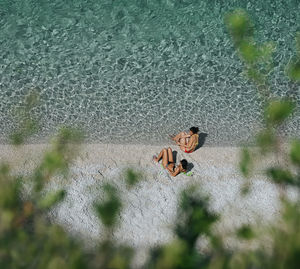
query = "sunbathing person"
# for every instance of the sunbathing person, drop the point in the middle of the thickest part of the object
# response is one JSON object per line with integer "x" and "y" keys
{"x": 168, "y": 162}
{"x": 187, "y": 141}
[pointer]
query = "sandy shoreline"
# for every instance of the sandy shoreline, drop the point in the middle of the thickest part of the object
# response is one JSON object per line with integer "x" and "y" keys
{"x": 150, "y": 207}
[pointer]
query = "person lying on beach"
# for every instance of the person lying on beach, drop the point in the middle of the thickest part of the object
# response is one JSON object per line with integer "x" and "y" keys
{"x": 168, "y": 162}
{"x": 187, "y": 141}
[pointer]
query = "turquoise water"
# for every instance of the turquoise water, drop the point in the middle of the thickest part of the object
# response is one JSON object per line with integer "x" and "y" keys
{"x": 133, "y": 71}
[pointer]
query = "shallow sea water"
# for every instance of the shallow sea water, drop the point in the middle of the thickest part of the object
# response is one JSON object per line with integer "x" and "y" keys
{"x": 134, "y": 71}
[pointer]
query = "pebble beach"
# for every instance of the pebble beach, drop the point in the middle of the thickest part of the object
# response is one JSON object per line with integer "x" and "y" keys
{"x": 149, "y": 209}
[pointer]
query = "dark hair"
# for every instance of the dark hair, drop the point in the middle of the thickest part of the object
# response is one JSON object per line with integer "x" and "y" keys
{"x": 184, "y": 164}
{"x": 194, "y": 130}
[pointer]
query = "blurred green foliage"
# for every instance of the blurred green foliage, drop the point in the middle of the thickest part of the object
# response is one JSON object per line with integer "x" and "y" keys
{"x": 284, "y": 251}
{"x": 110, "y": 208}
{"x": 245, "y": 162}
{"x": 27, "y": 122}
{"x": 245, "y": 232}
{"x": 257, "y": 58}
{"x": 132, "y": 177}
{"x": 258, "y": 64}
{"x": 278, "y": 110}
{"x": 266, "y": 140}
{"x": 280, "y": 175}
{"x": 293, "y": 69}
{"x": 65, "y": 147}
{"x": 29, "y": 240}
{"x": 295, "y": 152}
{"x": 240, "y": 26}
{"x": 51, "y": 199}
{"x": 194, "y": 218}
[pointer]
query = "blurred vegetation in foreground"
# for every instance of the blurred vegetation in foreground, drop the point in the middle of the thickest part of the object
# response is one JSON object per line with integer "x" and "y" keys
{"x": 29, "y": 240}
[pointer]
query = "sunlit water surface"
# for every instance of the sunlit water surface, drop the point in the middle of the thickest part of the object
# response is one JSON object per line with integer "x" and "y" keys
{"x": 134, "y": 71}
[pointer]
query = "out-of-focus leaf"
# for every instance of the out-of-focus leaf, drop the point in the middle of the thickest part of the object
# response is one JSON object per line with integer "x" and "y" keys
{"x": 110, "y": 208}
{"x": 266, "y": 141}
{"x": 118, "y": 262}
{"x": 28, "y": 128}
{"x": 58, "y": 159}
{"x": 4, "y": 169}
{"x": 298, "y": 44}
{"x": 57, "y": 262}
{"x": 295, "y": 151}
{"x": 28, "y": 208}
{"x": 27, "y": 122}
{"x": 278, "y": 110}
{"x": 67, "y": 142}
{"x": 32, "y": 99}
{"x": 291, "y": 213}
{"x": 52, "y": 199}
{"x": 53, "y": 162}
{"x": 218, "y": 262}
{"x": 266, "y": 50}
{"x": 280, "y": 175}
{"x": 113, "y": 256}
{"x": 245, "y": 232}
{"x": 39, "y": 178}
{"x": 10, "y": 189}
{"x": 286, "y": 246}
{"x": 17, "y": 138}
{"x": 249, "y": 51}
{"x": 7, "y": 217}
{"x": 255, "y": 75}
{"x": 239, "y": 25}
{"x": 245, "y": 189}
{"x": 241, "y": 260}
{"x": 132, "y": 177}
{"x": 245, "y": 162}
{"x": 194, "y": 217}
{"x": 257, "y": 58}
{"x": 173, "y": 255}
{"x": 293, "y": 69}
{"x": 69, "y": 135}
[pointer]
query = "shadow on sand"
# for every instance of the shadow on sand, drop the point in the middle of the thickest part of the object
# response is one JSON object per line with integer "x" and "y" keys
{"x": 201, "y": 140}
{"x": 190, "y": 165}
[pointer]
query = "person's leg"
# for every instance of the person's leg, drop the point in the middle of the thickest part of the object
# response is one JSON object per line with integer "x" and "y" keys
{"x": 165, "y": 158}
{"x": 160, "y": 155}
{"x": 182, "y": 148}
{"x": 170, "y": 155}
{"x": 179, "y": 136}
{"x": 184, "y": 141}
{"x": 171, "y": 159}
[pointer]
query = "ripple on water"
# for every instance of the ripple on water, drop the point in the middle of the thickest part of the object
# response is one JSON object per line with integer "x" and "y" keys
{"x": 134, "y": 71}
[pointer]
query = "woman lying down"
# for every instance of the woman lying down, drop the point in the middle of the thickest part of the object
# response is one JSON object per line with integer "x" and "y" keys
{"x": 168, "y": 163}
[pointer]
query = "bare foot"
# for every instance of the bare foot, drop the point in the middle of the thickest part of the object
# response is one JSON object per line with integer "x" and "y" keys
{"x": 154, "y": 158}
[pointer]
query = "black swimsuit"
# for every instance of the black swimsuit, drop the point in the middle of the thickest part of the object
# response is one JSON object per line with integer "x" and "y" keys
{"x": 171, "y": 163}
